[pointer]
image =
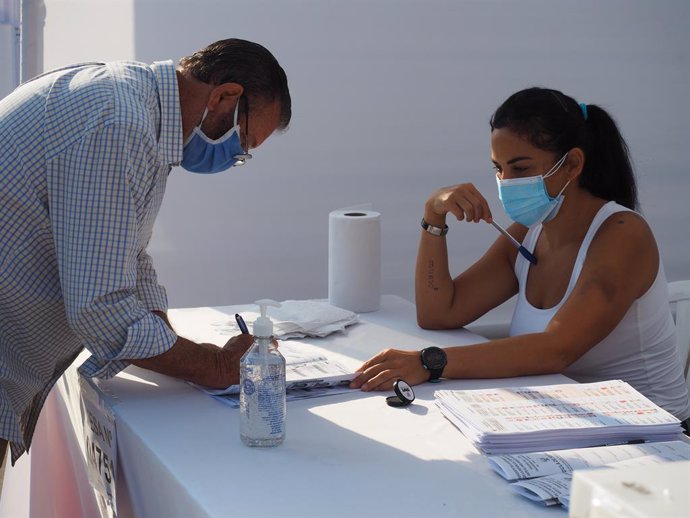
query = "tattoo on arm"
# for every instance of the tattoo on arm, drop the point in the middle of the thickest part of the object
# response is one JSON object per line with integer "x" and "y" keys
{"x": 430, "y": 276}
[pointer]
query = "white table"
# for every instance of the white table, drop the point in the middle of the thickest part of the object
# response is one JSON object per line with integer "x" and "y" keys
{"x": 347, "y": 455}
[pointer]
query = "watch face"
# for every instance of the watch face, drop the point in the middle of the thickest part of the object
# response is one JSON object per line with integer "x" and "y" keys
{"x": 434, "y": 358}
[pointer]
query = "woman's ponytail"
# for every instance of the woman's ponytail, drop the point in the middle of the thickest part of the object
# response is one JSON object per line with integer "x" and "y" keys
{"x": 608, "y": 172}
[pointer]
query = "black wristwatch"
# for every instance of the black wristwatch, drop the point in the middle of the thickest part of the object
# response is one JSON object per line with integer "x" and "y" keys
{"x": 434, "y": 360}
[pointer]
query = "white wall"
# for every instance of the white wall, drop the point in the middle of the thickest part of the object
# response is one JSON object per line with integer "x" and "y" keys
{"x": 9, "y": 45}
{"x": 391, "y": 100}
{"x": 8, "y": 59}
{"x": 86, "y": 30}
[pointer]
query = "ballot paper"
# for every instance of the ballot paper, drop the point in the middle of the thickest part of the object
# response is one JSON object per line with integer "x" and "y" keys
{"x": 555, "y": 489}
{"x": 530, "y": 465}
{"x": 553, "y": 417}
{"x": 308, "y": 373}
{"x": 298, "y": 319}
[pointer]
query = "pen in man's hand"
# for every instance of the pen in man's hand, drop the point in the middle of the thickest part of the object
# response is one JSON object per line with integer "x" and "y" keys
{"x": 241, "y": 324}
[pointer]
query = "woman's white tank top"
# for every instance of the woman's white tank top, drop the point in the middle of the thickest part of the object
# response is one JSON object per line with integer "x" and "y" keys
{"x": 641, "y": 350}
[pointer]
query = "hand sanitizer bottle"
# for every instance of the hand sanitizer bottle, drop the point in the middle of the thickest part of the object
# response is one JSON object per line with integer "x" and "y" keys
{"x": 262, "y": 386}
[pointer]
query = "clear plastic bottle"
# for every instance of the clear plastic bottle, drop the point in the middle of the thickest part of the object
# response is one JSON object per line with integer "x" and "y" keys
{"x": 262, "y": 382}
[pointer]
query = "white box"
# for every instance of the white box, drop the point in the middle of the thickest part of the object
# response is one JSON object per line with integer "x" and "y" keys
{"x": 658, "y": 491}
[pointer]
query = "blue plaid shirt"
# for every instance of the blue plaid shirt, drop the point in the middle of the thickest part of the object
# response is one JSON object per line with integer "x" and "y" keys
{"x": 85, "y": 154}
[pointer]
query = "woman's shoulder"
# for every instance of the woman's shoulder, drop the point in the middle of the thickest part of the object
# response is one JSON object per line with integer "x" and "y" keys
{"x": 625, "y": 225}
{"x": 624, "y": 247}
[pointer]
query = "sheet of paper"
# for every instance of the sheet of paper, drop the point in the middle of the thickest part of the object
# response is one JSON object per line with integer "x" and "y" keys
{"x": 549, "y": 490}
{"x": 529, "y": 465}
{"x": 305, "y": 367}
{"x": 308, "y": 374}
{"x": 527, "y": 409}
{"x": 554, "y": 489}
{"x": 233, "y": 400}
{"x": 529, "y": 419}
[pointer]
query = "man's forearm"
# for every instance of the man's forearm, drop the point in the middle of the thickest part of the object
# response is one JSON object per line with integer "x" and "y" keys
{"x": 187, "y": 360}
{"x": 204, "y": 364}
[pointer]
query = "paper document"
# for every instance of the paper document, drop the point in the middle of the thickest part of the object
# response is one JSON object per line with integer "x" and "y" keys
{"x": 539, "y": 464}
{"x": 308, "y": 373}
{"x": 528, "y": 419}
{"x": 555, "y": 489}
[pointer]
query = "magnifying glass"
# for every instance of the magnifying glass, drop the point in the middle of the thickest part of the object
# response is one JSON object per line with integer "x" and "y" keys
{"x": 404, "y": 395}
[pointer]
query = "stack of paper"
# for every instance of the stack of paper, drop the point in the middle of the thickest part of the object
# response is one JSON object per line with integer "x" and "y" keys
{"x": 308, "y": 373}
{"x": 302, "y": 318}
{"x": 546, "y": 476}
{"x": 529, "y": 419}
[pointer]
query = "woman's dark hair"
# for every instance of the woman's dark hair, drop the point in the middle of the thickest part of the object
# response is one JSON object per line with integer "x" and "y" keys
{"x": 248, "y": 64}
{"x": 552, "y": 121}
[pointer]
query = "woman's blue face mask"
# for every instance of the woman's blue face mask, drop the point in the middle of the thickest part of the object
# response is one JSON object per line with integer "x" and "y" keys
{"x": 204, "y": 155}
{"x": 526, "y": 200}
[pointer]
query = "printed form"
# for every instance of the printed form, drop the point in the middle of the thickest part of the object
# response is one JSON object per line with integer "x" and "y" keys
{"x": 308, "y": 374}
{"x": 527, "y": 419}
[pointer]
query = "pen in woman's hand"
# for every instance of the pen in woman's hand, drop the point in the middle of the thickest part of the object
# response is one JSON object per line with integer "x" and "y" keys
{"x": 525, "y": 253}
{"x": 242, "y": 325}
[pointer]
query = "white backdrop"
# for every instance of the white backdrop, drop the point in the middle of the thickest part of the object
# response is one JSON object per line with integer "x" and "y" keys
{"x": 391, "y": 99}
{"x": 9, "y": 45}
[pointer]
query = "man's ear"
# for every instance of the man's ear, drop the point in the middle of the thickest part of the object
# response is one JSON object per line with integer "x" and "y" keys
{"x": 575, "y": 163}
{"x": 223, "y": 93}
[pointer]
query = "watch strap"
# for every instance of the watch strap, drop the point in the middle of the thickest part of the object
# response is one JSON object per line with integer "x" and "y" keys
{"x": 433, "y": 230}
{"x": 435, "y": 375}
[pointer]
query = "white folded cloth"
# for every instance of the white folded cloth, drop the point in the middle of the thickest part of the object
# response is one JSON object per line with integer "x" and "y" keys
{"x": 303, "y": 318}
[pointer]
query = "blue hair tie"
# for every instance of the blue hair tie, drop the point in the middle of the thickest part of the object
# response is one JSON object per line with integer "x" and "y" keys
{"x": 583, "y": 107}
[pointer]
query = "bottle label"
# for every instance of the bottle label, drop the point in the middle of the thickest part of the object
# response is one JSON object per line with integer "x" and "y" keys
{"x": 262, "y": 402}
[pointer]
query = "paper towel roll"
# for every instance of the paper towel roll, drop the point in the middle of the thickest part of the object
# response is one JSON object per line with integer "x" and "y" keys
{"x": 354, "y": 260}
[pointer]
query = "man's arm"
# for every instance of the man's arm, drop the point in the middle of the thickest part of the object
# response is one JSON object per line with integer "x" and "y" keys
{"x": 204, "y": 364}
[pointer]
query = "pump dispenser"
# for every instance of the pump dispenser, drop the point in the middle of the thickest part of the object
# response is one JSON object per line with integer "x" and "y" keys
{"x": 263, "y": 326}
{"x": 262, "y": 382}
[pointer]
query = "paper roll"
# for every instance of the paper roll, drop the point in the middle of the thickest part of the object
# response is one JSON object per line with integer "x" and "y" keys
{"x": 354, "y": 260}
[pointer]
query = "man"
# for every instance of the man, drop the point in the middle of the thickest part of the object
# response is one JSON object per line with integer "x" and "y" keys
{"x": 85, "y": 152}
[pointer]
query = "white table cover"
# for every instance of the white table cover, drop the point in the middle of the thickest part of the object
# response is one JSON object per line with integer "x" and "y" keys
{"x": 347, "y": 455}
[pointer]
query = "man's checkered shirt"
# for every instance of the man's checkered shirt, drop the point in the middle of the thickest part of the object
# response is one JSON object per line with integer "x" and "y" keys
{"x": 85, "y": 153}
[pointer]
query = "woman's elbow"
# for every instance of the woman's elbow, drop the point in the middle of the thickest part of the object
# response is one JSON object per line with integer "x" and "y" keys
{"x": 434, "y": 323}
{"x": 425, "y": 323}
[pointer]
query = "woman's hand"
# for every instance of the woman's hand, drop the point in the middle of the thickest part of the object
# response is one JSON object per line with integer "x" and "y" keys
{"x": 464, "y": 201}
{"x": 382, "y": 370}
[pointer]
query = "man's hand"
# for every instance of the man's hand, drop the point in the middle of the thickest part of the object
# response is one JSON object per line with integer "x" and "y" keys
{"x": 230, "y": 356}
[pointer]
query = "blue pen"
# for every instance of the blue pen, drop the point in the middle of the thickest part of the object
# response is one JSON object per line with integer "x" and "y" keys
{"x": 525, "y": 253}
{"x": 241, "y": 323}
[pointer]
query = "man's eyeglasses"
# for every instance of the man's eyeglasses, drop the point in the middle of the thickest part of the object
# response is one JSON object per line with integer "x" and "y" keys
{"x": 242, "y": 158}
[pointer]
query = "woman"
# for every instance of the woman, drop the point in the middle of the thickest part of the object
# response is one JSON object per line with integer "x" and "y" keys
{"x": 594, "y": 306}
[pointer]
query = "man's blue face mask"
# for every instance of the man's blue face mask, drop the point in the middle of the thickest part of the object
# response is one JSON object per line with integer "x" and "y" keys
{"x": 204, "y": 155}
{"x": 526, "y": 200}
